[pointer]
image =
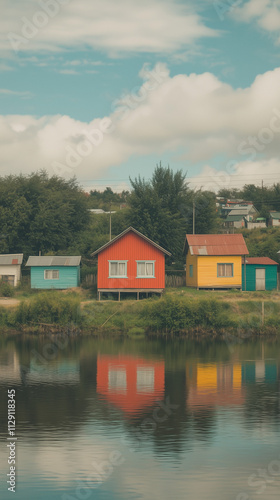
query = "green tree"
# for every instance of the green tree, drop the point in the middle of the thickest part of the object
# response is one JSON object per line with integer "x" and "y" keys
{"x": 159, "y": 208}
{"x": 38, "y": 212}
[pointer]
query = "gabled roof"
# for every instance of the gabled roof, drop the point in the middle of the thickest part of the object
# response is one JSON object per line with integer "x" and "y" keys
{"x": 275, "y": 215}
{"x": 234, "y": 218}
{"x": 241, "y": 211}
{"x": 123, "y": 234}
{"x": 10, "y": 259}
{"x": 216, "y": 244}
{"x": 262, "y": 261}
{"x": 53, "y": 260}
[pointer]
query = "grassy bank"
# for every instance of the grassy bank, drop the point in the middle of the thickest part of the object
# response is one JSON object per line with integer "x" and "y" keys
{"x": 179, "y": 312}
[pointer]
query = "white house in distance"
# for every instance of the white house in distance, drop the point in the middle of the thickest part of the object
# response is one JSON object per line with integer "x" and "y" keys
{"x": 10, "y": 268}
{"x": 274, "y": 219}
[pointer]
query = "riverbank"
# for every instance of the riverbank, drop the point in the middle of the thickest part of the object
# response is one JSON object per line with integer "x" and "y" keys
{"x": 180, "y": 312}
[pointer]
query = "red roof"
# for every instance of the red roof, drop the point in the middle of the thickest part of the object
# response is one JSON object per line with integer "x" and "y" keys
{"x": 262, "y": 261}
{"x": 216, "y": 244}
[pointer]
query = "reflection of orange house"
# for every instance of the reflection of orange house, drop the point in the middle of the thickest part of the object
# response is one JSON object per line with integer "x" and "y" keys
{"x": 129, "y": 382}
{"x": 214, "y": 385}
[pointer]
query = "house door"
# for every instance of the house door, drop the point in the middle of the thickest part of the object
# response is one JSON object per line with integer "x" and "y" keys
{"x": 260, "y": 279}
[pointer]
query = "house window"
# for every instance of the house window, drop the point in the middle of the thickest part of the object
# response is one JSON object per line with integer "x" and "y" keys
{"x": 225, "y": 270}
{"x": 191, "y": 271}
{"x": 145, "y": 269}
{"x": 117, "y": 269}
{"x": 117, "y": 380}
{"x": 51, "y": 274}
{"x": 8, "y": 278}
{"x": 145, "y": 381}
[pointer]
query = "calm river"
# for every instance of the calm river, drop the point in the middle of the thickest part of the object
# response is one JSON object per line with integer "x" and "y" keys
{"x": 133, "y": 419}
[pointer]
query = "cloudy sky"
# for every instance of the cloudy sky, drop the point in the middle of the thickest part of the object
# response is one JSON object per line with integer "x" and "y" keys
{"x": 106, "y": 89}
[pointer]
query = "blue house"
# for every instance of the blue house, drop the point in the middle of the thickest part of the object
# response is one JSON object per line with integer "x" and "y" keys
{"x": 259, "y": 273}
{"x": 57, "y": 272}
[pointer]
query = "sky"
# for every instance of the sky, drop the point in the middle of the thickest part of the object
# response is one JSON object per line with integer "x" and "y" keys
{"x": 105, "y": 90}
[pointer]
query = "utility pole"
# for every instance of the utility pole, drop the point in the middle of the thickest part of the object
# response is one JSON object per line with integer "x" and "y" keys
{"x": 193, "y": 217}
{"x": 110, "y": 230}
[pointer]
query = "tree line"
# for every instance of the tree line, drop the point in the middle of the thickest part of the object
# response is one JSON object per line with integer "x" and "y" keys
{"x": 51, "y": 215}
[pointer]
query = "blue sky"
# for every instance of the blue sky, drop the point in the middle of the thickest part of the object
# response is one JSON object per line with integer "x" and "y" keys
{"x": 104, "y": 90}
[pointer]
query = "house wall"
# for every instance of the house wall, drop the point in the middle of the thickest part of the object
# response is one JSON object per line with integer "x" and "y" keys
{"x": 68, "y": 277}
{"x": 255, "y": 225}
{"x": 131, "y": 248}
{"x": 191, "y": 261}
{"x": 270, "y": 277}
{"x": 12, "y": 270}
{"x": 207, "y": 272}
{"x": 274, "y": 222}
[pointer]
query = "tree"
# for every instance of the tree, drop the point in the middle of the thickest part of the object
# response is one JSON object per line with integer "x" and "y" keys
{"x": 206, "y": 214}
{"x": 158, "y": 208}
{"x": 40, "y": 213}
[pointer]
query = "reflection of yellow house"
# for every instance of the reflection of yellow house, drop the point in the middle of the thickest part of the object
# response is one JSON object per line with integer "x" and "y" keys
{"x": 212, "y": 384}
{"x": 214, "y": 260}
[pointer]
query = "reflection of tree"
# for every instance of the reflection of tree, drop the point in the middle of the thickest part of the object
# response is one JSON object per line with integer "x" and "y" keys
{"x": 262, "y": 404}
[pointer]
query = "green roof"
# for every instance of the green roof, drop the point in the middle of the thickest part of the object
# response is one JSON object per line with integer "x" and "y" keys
{"x": 234, "y": 218}
{"x": 275, "y": 215}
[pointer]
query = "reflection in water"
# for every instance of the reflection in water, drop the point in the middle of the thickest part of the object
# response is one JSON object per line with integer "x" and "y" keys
{"x": 130, "y": 382}
{"x": 216, "y": 384}
{"x": 187, "y": 419}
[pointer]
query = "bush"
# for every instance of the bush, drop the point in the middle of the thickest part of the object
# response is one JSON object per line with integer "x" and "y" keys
{"x": 49, "y": 308}
{"x": 6, "y": 290}
{"x": 174, "y": 315}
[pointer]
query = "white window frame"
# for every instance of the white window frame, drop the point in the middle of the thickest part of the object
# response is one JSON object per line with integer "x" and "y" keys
{"x": 145, "y": 262}
{"x": 117, "y": 262}
{"x": 51, "y": 271}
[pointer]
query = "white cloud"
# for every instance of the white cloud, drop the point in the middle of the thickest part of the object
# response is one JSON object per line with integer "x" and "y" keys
{"x": 68, "y": 72}
{"x": 237, "y": 174}
{"x": 265, "y": 12}
{"x": 25, "y": 94}
{"x": 115, "y": 27}
{"x": 196, "y": 116}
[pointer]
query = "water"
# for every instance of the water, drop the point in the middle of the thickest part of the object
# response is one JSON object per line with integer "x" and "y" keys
{"x": 123, "y": 419}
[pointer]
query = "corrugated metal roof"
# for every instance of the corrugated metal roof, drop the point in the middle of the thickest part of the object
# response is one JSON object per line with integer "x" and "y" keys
{"x": 125, "y": 232}
{"x": 239, "y": 211}
{"x": 216, "y": 244}
{"x": 262, "y": 261}
{"x": 53, "y": 260}
{"x": 10, "y": 259}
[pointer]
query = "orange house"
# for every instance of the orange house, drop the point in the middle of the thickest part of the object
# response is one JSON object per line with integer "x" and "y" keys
{"x": 131, "y": 262}
{"x": 129, "y": 382}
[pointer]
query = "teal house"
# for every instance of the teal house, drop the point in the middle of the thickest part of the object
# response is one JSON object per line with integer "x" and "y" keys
{"x": 259, "y": 273}
{"x": 54, "y": 272}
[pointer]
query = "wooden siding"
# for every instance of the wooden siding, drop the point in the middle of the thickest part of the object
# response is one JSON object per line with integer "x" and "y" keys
{"x": 270, "y": 277}
{"x": 68, "y": 277}
{"x": 205, "y": 271}
{"x": 131, "y": 248}
{"x": 191, "y": 261}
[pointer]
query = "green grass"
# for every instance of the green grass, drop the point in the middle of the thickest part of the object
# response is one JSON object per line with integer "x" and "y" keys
{"x": 179, "y": 311}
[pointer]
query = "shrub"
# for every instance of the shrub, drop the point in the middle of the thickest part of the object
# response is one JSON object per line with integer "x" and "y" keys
{"x": 174, "y": 315}
{"x": 51, "y": 308}
{"x": 6, "y": 290}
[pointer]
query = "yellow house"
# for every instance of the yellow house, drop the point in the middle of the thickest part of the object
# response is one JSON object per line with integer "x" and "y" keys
{"x": 214, "y": 260}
